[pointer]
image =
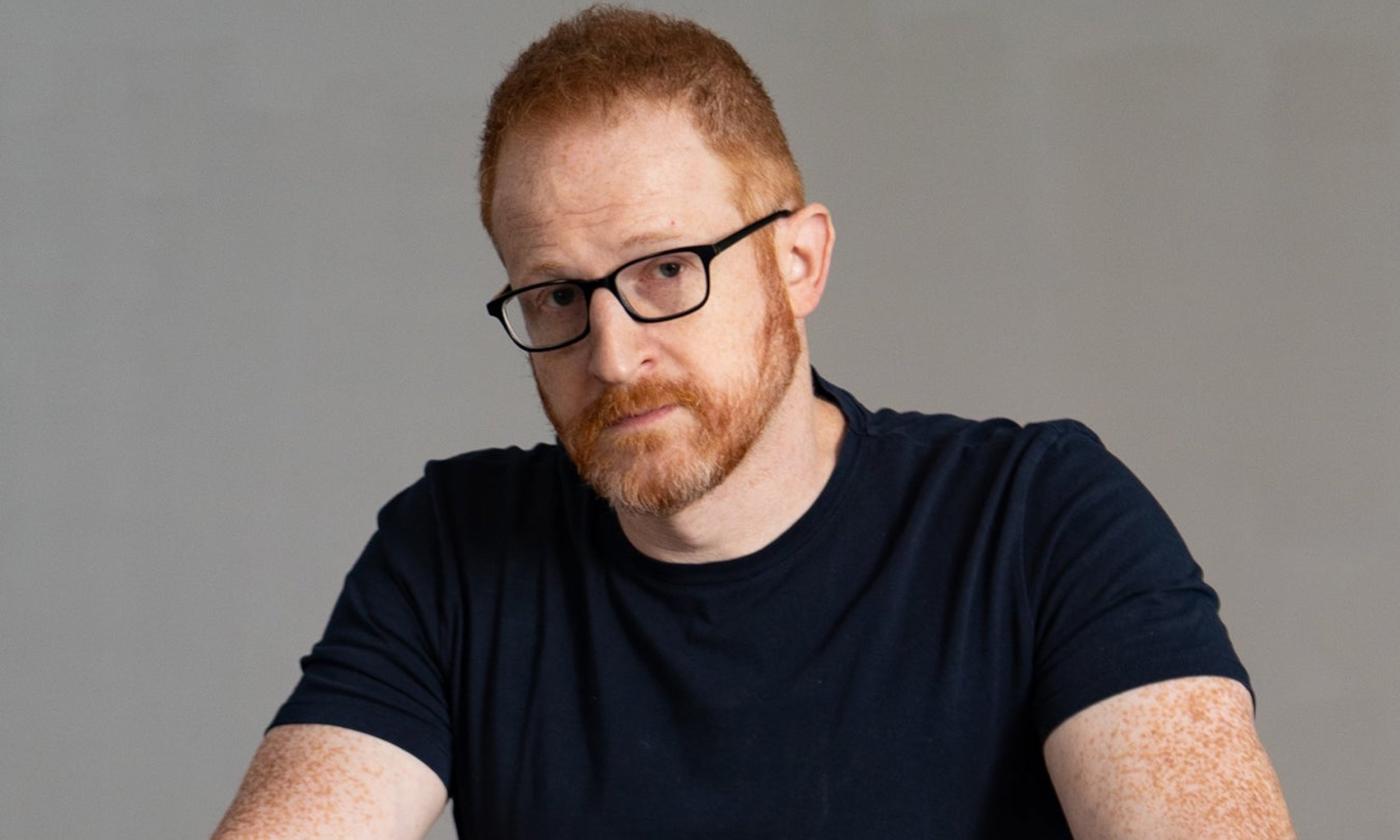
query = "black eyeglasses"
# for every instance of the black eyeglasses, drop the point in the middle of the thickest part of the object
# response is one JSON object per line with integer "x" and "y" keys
{"x": 658, "y": 287}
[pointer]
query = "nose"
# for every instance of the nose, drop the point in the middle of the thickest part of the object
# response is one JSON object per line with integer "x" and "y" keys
{"x": 618, "y": 349}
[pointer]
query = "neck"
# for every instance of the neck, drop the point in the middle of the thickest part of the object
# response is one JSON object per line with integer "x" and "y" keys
{"x": 778, "y": 480}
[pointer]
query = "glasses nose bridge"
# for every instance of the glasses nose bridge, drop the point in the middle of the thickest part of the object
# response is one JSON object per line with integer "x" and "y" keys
{"x": 608, "y": 284}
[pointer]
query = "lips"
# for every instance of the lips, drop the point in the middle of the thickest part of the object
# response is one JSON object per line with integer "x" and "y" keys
{"x": 641, "y": 418}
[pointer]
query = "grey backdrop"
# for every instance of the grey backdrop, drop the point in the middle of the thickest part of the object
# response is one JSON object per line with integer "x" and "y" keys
{"x": 242, "y": 304}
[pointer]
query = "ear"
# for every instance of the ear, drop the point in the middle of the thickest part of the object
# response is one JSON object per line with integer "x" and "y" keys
{"x": 804, "y": 256}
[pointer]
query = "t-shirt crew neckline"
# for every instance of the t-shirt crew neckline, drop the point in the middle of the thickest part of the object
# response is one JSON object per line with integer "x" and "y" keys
{"x": 817, "y": 518}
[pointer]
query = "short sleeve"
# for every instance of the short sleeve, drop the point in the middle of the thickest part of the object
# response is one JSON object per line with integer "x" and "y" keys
{"x": 1119, "y": 602}
{"x": 377, "y": 668}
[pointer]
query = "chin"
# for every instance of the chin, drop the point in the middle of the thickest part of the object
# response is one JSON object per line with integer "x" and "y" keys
{"x": 657, "y": 483}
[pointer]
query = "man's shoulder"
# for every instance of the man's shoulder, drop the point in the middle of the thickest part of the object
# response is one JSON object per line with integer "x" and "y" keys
{"x": 941, "y": 430}
{"x": 481, "y": 482}
{"x": 500, "y": 461}
{"x": 496, "y": 475}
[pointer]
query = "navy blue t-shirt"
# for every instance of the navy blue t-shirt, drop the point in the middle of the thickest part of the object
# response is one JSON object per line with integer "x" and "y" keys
{"x": 888, "y": 667}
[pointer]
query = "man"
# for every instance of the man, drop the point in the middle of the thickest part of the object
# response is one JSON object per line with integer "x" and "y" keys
{"x": 734, "y": 602}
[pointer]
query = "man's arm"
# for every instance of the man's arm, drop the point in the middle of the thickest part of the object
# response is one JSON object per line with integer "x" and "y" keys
{"x": 1175, "y": 759}
{"x": 326, "y": 781}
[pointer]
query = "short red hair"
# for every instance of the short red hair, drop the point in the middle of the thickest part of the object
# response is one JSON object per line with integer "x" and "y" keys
{"x": 606, "y": 56}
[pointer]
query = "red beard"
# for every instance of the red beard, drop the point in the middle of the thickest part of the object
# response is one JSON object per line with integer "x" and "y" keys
{"x": 659, "y": 471}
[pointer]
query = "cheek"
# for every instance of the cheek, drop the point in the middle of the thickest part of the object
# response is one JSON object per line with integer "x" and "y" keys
{"x": 556, "y": 387}
{"x": 731, "y": 319}
{"x": 738, "y": 328}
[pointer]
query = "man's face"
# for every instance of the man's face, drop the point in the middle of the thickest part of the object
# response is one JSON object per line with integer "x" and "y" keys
{"x": 653, "y": 415}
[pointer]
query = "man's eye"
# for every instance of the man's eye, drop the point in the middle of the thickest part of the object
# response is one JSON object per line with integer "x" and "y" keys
{"x": 557, "y": 298}
{"x": 669, "y": 268}
{"x": 563, "y": 297}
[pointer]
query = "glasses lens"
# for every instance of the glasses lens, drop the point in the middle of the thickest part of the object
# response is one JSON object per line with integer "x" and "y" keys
{"x": 664, "y": 285}
{"x": 547, "y": 316}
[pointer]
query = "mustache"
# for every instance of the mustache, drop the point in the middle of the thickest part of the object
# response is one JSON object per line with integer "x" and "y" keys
{"x": 621, "y": 402}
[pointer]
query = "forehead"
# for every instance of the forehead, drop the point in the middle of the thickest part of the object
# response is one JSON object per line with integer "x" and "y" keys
{"x": 635, "y": 171}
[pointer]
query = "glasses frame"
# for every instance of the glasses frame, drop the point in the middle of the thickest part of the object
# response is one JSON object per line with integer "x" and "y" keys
{"x": 706, "y": 253}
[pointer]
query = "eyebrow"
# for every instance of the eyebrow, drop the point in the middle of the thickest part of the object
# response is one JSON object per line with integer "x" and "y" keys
{"x": 544, "y": 267}
{"x": 647, "y": 238}
{"x": 550, "y": 267}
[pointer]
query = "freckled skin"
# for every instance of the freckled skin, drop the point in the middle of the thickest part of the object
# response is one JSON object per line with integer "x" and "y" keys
{"x": 1179, "y": 758}
{"x": 309, "y": 781}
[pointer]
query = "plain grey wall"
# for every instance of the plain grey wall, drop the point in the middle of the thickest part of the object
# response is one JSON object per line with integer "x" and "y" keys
{"x": 242, "y": 304}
